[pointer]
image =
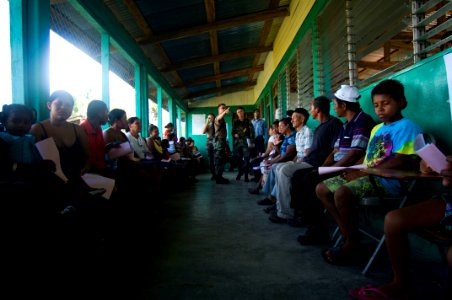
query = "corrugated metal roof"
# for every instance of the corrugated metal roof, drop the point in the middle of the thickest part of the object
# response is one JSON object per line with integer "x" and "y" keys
{"x": 197, "y": 72}
{"x": 164, "y": 16}
{"x": 180, "y": 50}
{"x": 242, "y": 37}
{"x": 225, "y": 9}
{"x": 198, "y": 47}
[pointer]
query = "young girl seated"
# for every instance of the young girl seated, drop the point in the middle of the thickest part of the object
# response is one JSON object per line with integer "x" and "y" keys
{"x": 274, "y": 152}
{"x": 20, "y": 161}
{"x": 20, "y": 157}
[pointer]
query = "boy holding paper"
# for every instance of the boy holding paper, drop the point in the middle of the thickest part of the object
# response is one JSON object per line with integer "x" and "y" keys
{"x": 391, "y": 147}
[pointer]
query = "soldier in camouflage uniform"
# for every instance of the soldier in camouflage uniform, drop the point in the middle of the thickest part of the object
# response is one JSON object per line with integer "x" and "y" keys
{"x": 243, "y": 133}
{"x": 209, "y": 128}
{"x": 219, "y": 145}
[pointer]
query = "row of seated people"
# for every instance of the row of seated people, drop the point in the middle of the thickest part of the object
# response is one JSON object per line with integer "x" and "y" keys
{"x": 65, "y": 218}
{"x": 297, "y": 194}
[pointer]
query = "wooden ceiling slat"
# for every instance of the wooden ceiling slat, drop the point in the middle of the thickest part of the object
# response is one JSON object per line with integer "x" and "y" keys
{"x": 221, "y": 57}
{"x": 213, "y": 35}
{"x": 217, "y": 25}
{"x": 224, "y": 89}
{"x": 222, "y": 76}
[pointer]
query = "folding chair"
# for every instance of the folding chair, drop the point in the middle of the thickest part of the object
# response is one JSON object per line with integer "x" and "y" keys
{"x": 386, "y": 202}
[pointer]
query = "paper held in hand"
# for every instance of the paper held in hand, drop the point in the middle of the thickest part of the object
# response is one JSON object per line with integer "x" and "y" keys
{"x": 434, "y": 158}
{"x": 48, "y": 150}
{"x": 327, "y": 170}
{"x": 98, "y": 181}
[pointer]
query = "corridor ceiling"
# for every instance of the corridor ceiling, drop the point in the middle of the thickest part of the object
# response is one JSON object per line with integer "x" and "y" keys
{"x": 203, "y": 48}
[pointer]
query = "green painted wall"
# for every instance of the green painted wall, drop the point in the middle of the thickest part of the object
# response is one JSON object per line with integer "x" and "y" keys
{"x": 427, "y": 94}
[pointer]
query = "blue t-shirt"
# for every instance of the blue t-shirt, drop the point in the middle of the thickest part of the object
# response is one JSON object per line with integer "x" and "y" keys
{"x": 288, "y": 140}
{"x": 387, "y": 140}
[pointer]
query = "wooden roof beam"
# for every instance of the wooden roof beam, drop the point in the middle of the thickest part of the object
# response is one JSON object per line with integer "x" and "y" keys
{"x": 222, "y": 76}
{"x": 217, "y": 58}
{"x": 217, "y": 25}
{"x": 225, "y": 89}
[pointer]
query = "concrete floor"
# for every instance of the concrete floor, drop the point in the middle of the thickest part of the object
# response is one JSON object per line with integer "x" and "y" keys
{"x": 212, "y": 241}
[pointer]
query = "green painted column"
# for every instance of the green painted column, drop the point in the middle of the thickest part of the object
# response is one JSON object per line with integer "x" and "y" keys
{"x": 30, "y": 38}
{"x": 105, "y": 60}
{"x": 141, "y": 101}
{"x": 284, "y": 93}
{"x": 179, "y": 123}
{"x": 144, "y": 112}
{"x": 159, "y": 107}
{"x": 272, "y": 105}
{"x": 174, "y": 108}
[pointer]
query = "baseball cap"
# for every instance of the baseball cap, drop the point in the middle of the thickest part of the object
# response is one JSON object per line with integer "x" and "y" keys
{"x": 347, "y": 93}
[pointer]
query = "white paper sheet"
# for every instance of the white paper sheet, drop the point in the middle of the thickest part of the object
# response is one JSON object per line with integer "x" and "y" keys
{"x": 198, "y": 122}
{"x": 434, "y": 158}
{"x": 327, "y": 170}
{"x": 123, "y": 149}
{"x": 98, "y": 181}
{"x": 48, "y": 150}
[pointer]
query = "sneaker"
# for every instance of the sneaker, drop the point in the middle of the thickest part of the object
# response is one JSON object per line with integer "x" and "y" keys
{"x": 314, "y": 237}
{"x": 275, "y": 219}
{"x": 270, "y": 209}
{"x": 264, "y": 201}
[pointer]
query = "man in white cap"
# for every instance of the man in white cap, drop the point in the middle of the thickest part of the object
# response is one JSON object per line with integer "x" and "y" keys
{"x": 349, "y": 149}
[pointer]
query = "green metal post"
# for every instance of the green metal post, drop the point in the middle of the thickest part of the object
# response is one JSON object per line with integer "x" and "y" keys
{"x": 105, "y": 60}
{"x": 171, "y": 110}
{"x": 159, "y": 106}
{"x": 179, "y": 125}
{"x": 144, "y": 112}
{"x": 30, "y": 39}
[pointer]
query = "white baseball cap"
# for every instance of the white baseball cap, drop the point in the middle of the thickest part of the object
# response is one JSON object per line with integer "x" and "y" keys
{"x": 347, "y": 93}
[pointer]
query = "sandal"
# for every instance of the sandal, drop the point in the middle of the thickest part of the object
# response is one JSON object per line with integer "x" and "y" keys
{"x": 336, "y": 256}
{"x": 369, "y": 292}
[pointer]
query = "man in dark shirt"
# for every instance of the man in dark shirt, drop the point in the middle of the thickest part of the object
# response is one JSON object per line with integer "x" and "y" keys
{"x": 243, "y": 134}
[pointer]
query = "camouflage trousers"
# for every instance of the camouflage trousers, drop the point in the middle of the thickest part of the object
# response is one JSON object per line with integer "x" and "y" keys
{"x": 219, "y": 153}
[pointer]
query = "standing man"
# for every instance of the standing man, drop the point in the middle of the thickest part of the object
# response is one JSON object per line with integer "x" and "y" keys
{"x": 243, "y": 133}
{"x": 220, "y": 143}
{"x": 260, "y": 131}
{"x": 209, "y": 128}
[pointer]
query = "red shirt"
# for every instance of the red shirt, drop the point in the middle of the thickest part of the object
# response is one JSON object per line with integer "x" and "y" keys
{"x": 96, "y": 146}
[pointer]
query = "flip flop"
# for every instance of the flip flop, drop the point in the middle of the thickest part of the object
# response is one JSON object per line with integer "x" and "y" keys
{"x": 369, "y": 292}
